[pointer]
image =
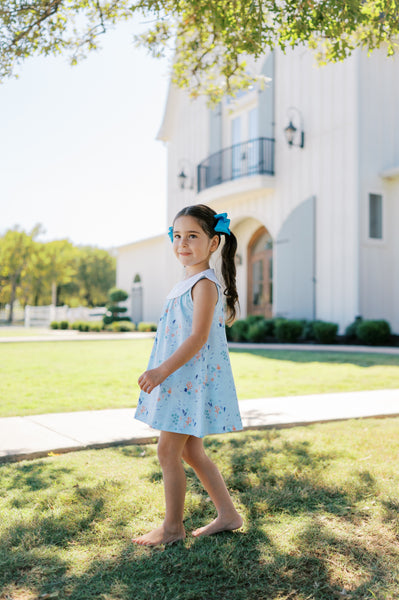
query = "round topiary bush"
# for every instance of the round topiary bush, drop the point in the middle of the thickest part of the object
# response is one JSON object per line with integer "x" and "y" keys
{"x": 239, "y": 330}
{"x": 257, "y": 331}
{"x": 64, "y": 325}
{"x": 374, "y": 332}
{"x": 325, "y": 333}
{"x": 288, "y": 331}
{"x": 54, "y": 325}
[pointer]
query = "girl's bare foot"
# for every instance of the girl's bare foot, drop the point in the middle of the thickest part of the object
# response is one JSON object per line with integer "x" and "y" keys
{"x": 220, "y": 524}
{"x": 160, "y": 536}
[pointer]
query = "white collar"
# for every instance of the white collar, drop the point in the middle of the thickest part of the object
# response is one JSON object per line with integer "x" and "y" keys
{"x": 186, "y": 284}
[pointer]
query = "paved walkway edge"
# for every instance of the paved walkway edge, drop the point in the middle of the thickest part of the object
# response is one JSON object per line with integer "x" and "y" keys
{"x": 43, "y": 435}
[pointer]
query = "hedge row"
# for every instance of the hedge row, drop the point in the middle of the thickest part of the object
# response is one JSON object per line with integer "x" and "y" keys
{"x": 100, "y": 326}
{"x": 258, "y": 329}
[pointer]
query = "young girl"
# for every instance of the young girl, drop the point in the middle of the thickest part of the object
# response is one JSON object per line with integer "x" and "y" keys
{"x": 188, "y": 390}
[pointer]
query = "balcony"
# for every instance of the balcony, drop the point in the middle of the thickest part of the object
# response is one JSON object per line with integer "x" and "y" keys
{"x": 255, "y": 157}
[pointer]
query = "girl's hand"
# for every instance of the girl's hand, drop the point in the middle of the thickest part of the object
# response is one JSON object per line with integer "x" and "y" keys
{"x": 150, "y": 379}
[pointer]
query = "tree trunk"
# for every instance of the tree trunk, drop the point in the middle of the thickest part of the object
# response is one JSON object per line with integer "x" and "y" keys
{"x": 54, "y": 293}
{"x": 12, "y": 300}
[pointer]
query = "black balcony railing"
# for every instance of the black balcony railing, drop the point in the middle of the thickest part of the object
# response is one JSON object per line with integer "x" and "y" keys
{"x": 255, "y": 157}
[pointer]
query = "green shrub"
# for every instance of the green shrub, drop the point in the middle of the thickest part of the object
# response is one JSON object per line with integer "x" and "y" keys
{"x": 324, "y": 332}
{"x": 308, "y": 334}
{"x": 117, "y": 295}
{"x": 288, "y": 330}
{"x": 143, "y": 326}
{"x": 239, "y": 330}
{"x": 81, "y": 325}
{"x": 64, "y": 324}
{"x": 374, "y": 332}
{"x": 121, "y": 326}
{"x": 257, "y": 331}
{"x": 252, "y": 319}
{"x": 114, "y": 309}
{"x": 54, "y": 325}
{"x": 350, "y": 331}
{"x": 270, "y": 325}
{"x": 95, "y": 325}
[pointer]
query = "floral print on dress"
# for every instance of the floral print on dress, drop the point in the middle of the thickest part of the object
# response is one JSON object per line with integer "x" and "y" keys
{"x": 199, "y": 398}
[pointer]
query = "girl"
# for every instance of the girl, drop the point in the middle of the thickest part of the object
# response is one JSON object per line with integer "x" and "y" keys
{"x": 188, "y": 390}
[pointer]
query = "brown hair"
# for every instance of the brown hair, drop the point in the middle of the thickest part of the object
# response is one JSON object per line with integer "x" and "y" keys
{"x": 206, "y": 218}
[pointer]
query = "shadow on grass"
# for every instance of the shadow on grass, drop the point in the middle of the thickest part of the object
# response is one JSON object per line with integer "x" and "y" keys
{"x": 276, "y": 483}
{"x": 310, "y": 356}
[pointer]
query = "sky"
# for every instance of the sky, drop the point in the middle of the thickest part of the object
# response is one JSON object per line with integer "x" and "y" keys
{"x": 78, "y": 152}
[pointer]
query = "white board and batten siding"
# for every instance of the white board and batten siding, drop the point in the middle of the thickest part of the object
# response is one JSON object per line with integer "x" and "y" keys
{"x": 379, "y": 156}
{"x": 148, "y": 259}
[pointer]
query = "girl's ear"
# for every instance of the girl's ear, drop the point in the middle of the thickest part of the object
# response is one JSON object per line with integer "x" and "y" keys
{"x": 215, "y": 243}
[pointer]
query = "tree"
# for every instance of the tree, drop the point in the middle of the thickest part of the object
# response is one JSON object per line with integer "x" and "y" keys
{"x": 95, "y": 274}
{"x": 211, "y": 37}
{"x": 60, "y": 265}
{"x": 15, "y": 255}
{"x": 39, "y": 273}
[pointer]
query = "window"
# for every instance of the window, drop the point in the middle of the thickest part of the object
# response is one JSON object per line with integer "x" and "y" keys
{"x": 375, "y": 216}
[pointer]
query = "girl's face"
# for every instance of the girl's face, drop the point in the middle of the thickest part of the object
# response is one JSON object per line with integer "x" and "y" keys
{"x": 191, "y": 244}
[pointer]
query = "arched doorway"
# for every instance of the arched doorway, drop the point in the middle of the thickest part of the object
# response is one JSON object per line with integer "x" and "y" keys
{"x": 260, "y": 273}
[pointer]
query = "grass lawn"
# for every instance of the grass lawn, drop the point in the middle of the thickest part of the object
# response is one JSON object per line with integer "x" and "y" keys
{"x": 41, "y": 377}
{"x": 21, "y": 331}
{"x": 320, "y": 507}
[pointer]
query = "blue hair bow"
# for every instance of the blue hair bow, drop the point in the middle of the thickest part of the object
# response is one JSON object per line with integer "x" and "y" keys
{"x": 170, "y": 233}
{"x": 222, "y": 225}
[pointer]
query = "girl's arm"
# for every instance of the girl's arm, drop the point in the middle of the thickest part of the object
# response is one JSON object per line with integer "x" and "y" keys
{"x": 205, "y": 296}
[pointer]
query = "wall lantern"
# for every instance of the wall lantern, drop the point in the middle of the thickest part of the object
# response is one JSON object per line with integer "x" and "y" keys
{"x": 185, "y": 175}
{"x": 295, "y": 135}
{"x": 182, "y": 179}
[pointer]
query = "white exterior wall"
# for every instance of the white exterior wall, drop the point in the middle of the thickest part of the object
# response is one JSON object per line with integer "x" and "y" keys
{"x": 379, "y": 152}
{"x": 147, "y": 258}
{"x": 351, "y": 126}
{"x": 326, "y": 168}
{"x": 187, "y": 145}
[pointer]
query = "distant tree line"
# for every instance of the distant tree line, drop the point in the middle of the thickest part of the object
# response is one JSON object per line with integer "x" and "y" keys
{"x": 57, "y": 272}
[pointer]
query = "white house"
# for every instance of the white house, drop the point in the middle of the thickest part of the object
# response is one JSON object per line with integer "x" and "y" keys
{"x": 317, "y": 220}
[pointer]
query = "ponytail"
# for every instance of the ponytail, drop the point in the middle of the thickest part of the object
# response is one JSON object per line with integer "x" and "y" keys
{"x": 229, "y": 275}
{"x": 206, "y": 218}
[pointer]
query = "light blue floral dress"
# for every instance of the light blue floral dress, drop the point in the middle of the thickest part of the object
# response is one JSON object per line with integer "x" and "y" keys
{"x": 199, "y": 398}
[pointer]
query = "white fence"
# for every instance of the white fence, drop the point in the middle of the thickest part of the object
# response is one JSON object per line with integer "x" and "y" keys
{"x": 42, "y": 316}
{"x": 18, "y": 313}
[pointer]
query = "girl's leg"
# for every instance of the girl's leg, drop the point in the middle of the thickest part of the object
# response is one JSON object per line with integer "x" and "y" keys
{"x": 210, "y": 477}
{"x": 170, "y": 448}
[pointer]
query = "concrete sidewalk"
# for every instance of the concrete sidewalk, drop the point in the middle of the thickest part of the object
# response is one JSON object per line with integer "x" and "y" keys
{"x": 37, "y": 435}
